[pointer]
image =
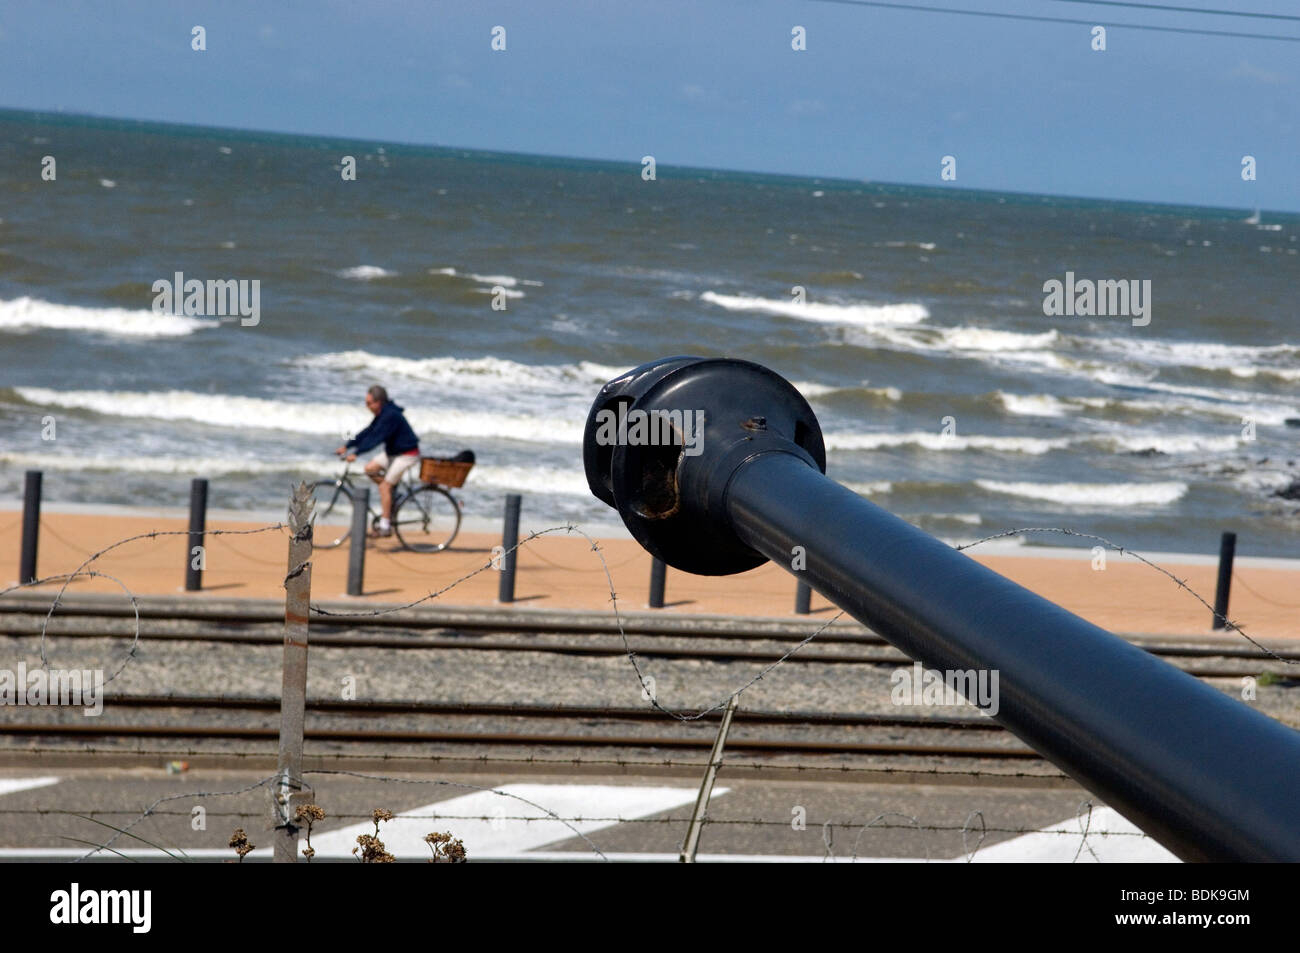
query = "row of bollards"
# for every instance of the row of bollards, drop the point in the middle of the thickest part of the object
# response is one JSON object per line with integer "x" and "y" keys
{"x": 194, "y": 560}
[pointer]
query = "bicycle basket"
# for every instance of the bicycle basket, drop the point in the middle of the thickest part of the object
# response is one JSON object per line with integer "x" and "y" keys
{"x": 444, "y": 472}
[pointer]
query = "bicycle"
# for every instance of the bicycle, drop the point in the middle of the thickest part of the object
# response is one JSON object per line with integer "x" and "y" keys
{"x": 426, "y": 517}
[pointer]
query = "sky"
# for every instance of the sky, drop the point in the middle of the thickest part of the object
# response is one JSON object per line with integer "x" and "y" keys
{"x": 878, "y": 94}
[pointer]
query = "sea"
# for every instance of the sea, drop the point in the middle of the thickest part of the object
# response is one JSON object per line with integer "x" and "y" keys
{"x": 493, "y": 294}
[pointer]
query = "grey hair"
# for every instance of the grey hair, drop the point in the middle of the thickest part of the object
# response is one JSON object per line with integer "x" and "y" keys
{"x": 378, "y": 393}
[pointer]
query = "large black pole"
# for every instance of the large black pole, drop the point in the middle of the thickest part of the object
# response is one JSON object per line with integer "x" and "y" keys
{"x": 1207, "y": 776}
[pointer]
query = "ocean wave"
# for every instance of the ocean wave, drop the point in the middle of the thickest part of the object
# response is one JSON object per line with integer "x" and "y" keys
{"x": 849, "y": 314}
{"x": 990, "y": 339}
{"x": 1171, "y": 443}
{"x": 365, "y": 273}
{"x": 505, "y": 281}
{"x": 811, "y": 389}
{"x": 936, "y": 441}
{"x": 478, "y": 374}
{"x": 31, "y": 314}
{"x": 1034, "y": 405}
{"x": 1205, "y": 355}
{"x": 871, "y": 487}
{"x": 923, "y": 246}
{"x": 533, "y": 479}
{"x": 1092, "y": 494}
{"x": 321, "y": 466}
{"x": 335, "y": 420}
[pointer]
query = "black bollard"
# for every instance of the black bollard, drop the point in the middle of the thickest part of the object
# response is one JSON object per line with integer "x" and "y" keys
{"x": 658, "y": 576}
{"x": 198, "y": 525}
{"x": 31, "y": 526}
{"x": 802, "y": 598}
{"x": 357, "y": 542}
{"x": 1227, "y": 551}
{"x": 509, "y": 542}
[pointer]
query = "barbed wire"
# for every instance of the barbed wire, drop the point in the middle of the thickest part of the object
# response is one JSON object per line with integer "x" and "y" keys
{"x": 1260, "y": 596}
{"x": 462, "y": 784}
{"x": 176, "y": 797}
{"x": 914, "y": 824}
{"x": 80, "y": 571}
{"x": 1123, "y": 550}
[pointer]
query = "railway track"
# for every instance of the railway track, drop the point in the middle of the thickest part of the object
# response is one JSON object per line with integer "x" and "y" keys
{"x": 521, "y": 725}
{"x": 594, "y": 634}
{"x": 461, "y": 726}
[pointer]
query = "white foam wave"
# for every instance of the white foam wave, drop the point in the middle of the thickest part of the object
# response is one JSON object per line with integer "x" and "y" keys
{"x": 506, "y": 281}
{"x": 924, "y": 246}
{"x": 1092, "y": 494}
{"x": 220, "y": 410}
{"x": 365, "y": 273}
{"x": 1172, "y": 443}
{"x": 1033, "y": 405}
{"x": 1209, "y": 355}
{"x": 871, "y": 487}
{"x": 989, "y": 339}
{"x": 937, "y": 441}
{"x": 322, "y": 466}
{"x": 30, "y": 314}
{"x": 851, "y": 314}
{"x": 533, "y": 479}
{"x": 483, "y": 375}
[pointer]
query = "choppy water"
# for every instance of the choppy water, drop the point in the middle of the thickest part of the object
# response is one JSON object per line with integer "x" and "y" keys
{"x": 922, "y": 304}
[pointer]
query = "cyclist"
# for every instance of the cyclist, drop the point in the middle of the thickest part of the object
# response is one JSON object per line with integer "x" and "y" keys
{"x": 401, "y": 451}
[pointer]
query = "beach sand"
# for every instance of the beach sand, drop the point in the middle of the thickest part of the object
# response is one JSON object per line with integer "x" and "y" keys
{"x": 561, "y": 571}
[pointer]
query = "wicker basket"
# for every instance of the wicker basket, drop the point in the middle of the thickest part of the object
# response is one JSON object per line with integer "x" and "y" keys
{"x": 443, "y": 472}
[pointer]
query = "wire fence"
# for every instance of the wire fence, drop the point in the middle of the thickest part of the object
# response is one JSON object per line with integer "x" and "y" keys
{"x": 974, "y": 829}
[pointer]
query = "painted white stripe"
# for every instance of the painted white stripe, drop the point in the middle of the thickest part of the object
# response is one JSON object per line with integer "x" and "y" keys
{"x": 13, "y": 785}
{"x": 1050, "y": 846}
{"x": 404, "y": 836}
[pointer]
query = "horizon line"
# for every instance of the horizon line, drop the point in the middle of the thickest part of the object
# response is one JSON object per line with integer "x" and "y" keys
{"x": 6, "y": 112}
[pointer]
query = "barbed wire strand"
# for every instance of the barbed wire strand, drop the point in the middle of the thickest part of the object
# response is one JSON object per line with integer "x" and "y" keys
{"x": 462, "y": 784}
{"x": 175, "y": 797}
{"x": 1123, "y": 550}
{"x": 1260, "y": 596}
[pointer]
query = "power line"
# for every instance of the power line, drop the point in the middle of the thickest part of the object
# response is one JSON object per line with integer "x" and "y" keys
{"x": 1036, "y": 19}
{"x": 1210, "y": 13}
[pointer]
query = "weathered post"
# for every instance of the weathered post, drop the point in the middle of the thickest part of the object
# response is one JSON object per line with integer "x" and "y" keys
{"x": 194, "y": 555}
{"x": 357, "y": 541}
{"x": 1205, "y": 775}
{"x": 802, "y": 598}
{"x": 287, "y": 794}
{"x": 696, "y": 827}
{"x": 658, "y": 577}
{"x": 509, "y": 546}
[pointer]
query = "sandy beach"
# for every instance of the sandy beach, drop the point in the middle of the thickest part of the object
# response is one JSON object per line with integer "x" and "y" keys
{"x": 560, "y": 571}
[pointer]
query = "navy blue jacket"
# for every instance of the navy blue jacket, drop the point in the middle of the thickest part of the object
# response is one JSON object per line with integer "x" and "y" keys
{"x": 389, "y": 428}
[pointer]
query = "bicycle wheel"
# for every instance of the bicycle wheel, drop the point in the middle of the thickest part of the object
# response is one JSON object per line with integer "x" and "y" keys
{"x": 333, "y": 514}
{"x": 427, "y": 520}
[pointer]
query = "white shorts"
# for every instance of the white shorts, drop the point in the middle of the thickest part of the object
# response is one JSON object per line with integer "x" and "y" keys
{"x": 394, "y": 469}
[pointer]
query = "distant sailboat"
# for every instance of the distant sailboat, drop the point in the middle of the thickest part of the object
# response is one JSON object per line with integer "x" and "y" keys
{"x": 1254, "y": 219}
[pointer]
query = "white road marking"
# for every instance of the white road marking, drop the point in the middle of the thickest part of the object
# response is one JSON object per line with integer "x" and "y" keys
{"x": 499, "y": 837}
{"x": 14, "y": 785}
{"x": 1051, "y": 846}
